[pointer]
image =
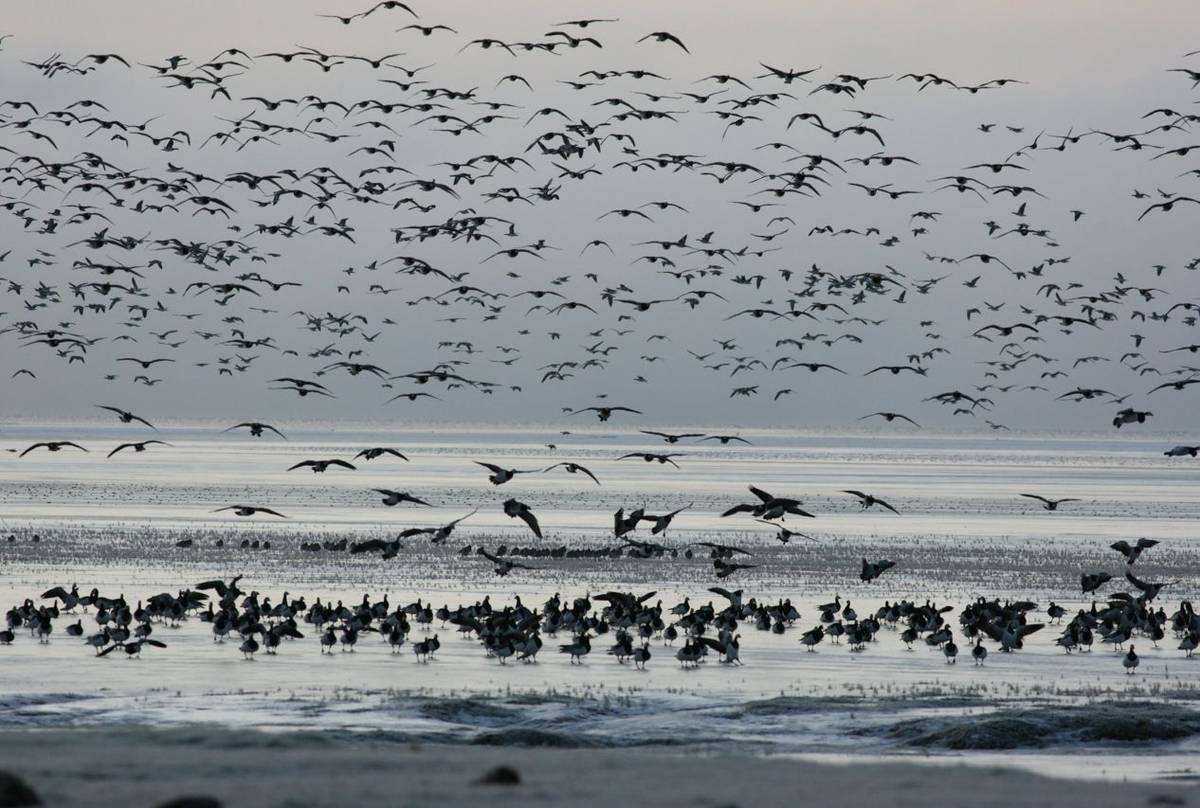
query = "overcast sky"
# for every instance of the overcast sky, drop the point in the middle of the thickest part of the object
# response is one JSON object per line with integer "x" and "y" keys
{"x": 1087, "y": 66}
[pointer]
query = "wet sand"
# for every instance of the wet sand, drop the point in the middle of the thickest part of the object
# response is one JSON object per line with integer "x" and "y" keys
{"x": 132, "y": 766}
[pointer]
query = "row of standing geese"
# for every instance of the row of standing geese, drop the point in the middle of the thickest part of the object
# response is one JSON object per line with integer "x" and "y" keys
{"x": 515, "y": 631}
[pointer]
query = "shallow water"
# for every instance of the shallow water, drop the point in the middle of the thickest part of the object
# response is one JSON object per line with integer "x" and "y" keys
{"x": 963, "y": 532}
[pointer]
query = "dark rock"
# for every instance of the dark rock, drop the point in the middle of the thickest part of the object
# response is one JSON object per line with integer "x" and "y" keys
{"x": 191, "y": 802}
{"x": 14, "y": 793}
{"x": 501, "y": 776}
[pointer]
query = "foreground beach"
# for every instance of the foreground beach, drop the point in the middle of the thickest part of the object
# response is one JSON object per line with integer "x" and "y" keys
{"x": 137, "y": 766}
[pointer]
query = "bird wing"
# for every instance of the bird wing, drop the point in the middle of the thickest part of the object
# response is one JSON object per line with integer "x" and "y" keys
{"x": 459, "y": 519}
{"x": 761, "y": 494}
{"x": 1035, "y": 496}
{"x": 528, "y": 518}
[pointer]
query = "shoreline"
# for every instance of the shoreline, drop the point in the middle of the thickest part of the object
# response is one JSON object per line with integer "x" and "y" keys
{"x": 141, "y": 766}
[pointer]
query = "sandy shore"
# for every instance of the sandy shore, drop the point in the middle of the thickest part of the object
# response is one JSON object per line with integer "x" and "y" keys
{"x": 131, "y": 766}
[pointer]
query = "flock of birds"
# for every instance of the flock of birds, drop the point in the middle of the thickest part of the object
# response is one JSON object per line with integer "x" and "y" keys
{"x": 141, "y": 259}
{"x": 516, "y": 631}
{"x": 135, "y": 261}
{"x": 630, "y": 622}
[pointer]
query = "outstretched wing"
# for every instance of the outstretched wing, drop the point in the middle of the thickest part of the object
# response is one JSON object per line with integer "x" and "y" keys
{"x": 725, "y": 593}
{"x": 889, "y": 507}
{"x": 761, "y": 494}
{"x": 528, "y": 518}
{"x": 1139, "y": 583}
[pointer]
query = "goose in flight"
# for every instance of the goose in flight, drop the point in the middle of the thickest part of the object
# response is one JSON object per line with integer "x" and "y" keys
{"x": 867, "y": 501}
{"x": 52, "y": 446}
{"x": 651, "y": 457}
{"x": 1132, "y": 551}
{"x": 249, "y": 510}
{"x": 437, "y": 535}
{"x": 722, "y": 551}
{"x": 671, "y": 438}
{"x": 873, "y": 569}
{"x": 411, "y": 397}
{"x": 503, "y": 565}
{"x": 769, "y": 506}
{"x": 1149, "y": 590}
{"x": 572, "y": 468}
{"x": 890, "y": 416}
{"x": 1049, "y": 504}
{"x": 725, "y": 568}
{"x": 499, "y": 476}
{"x": 319, "y": 466}
{"x": 734, "y": 597}
{"x": 665, "y": 36}
{"x": 1130, "y": 416}
{"x": 392, "y": 498}
{"x": 604, "y": 413}
{"x": 137, "y": 446}
{"x": 125, "y": 416}
{"x": 519, "y": 510}
{"x": 661, "y": 523}
{"x": 1183, "y": 451}
{"x": 377, "y": 452}
{"x": 725, "y": 439}
{"x": 256, "y": 429}
{"x": 784, "y": 535}
{"x": 1091, "y": 581}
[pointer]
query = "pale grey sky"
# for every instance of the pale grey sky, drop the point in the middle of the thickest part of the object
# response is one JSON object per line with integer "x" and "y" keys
{"x": 1088, "y": 66}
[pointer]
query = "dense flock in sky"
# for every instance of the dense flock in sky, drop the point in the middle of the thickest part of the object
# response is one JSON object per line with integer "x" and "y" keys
{"x": 595, "y": 214}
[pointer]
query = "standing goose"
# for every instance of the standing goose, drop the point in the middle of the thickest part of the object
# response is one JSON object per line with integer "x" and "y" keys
{"x": 950, "y": 650}
{"x": 578, "y": 649}
{"x": 812, "y": 637}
